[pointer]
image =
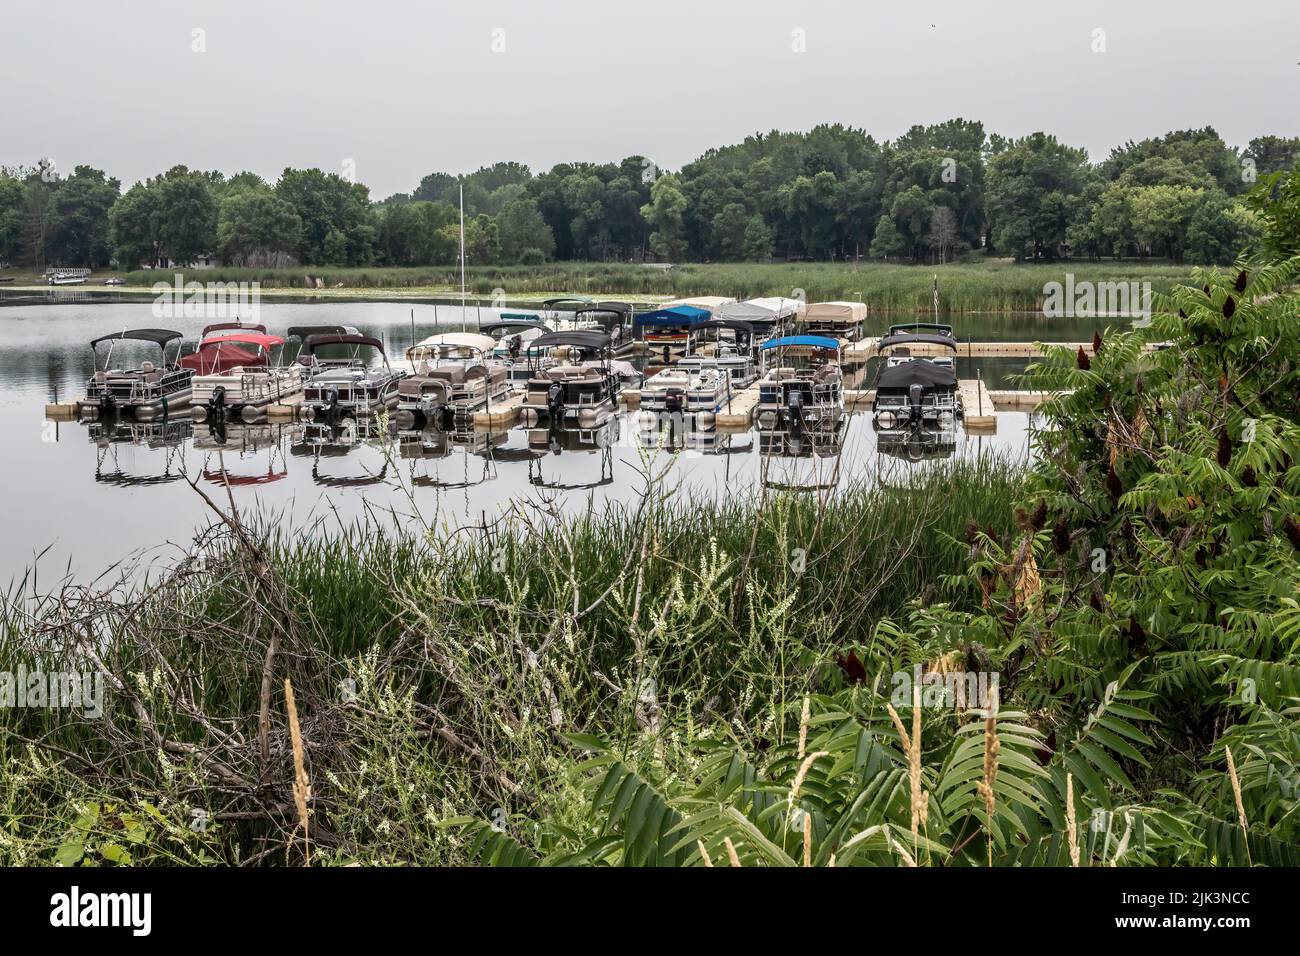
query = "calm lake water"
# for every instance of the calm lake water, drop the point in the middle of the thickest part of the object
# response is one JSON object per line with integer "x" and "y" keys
{"x": 83, "y": 496}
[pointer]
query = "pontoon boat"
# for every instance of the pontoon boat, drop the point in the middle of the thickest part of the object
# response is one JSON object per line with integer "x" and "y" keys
{"x": 666, "y": 332}
{"x": 233, "y": 374}
{"x": 346, "y": 384}
{"x": 899, "y": 341}
{"x": 513, "y": 338}
{"x": 805, "y": 398}
{"x": 913, "y": 395}
{"x": 583, "y": 389}
{"x": 451, "y": 377}
{"x": 841, "y": 320}
{"x": 702, "y": 382}
{"x": 145, "y": 391}
{"x": 769, "y": 316}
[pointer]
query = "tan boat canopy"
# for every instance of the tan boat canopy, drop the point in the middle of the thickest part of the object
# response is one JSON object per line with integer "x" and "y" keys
{"x": 848, "y": 312}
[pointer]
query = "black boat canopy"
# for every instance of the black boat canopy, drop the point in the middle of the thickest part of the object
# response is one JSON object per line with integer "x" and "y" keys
{"x": 938, "y": 327}
{"x": 305, "y": 332}
{"x": 579, "y": 300}
{"x": 487, "y": 328}
{"x": 917, "y": 338}
{"x": 622, "y": 308}
{"x": 736, "y": 324}
{"x": 242, "y": 327}
{"x": 916, "y": 372}
{"x": 582, "y": 338}
{"x": 316, "y": 341}
{"x": 159, "y": 337}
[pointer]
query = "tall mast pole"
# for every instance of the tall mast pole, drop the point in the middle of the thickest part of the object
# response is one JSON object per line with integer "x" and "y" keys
{"x": 462, "y": 257}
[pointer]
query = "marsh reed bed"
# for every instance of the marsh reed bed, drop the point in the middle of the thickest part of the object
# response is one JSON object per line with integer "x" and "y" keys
{"x": 984, "y": 286}
{"x": 440, "y": 676}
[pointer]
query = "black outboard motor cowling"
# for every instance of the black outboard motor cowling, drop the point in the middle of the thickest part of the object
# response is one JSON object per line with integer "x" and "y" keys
{"x": 217, "y": 403}
{"x": 914, "y": 393}
{"x": 794, "y": 405}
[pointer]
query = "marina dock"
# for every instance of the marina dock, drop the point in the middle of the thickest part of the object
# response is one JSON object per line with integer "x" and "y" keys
{"x": 978, "y": 413}
{"x": 867, "y": 348}
{"x": 739, "y": 412}
{"x": 287, "y": 407}
{"x": 502, "y": 413}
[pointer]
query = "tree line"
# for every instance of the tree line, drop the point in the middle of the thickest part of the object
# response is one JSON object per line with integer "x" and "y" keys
{"x": 834, "y": 193}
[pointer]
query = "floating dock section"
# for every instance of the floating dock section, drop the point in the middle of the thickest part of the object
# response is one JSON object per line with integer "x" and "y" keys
{"x": 501, "y": 413}
{"x": 287, "y": 407}
{"x": 739, "y": 412}
{"x": 864, "y": 349}
{"x": 978, "y": 412}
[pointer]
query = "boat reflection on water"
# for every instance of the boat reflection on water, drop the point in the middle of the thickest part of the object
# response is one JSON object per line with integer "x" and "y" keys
{"x": 556, "y": 441}
{"x": 167, "y": 436}
{"x": 675, "y": 432}
{"x": 234, "y": 448}
{"x": 432, "y": 443}
{"x": 801, "y": 459}
{"x": 337, "y": 439}
{"x": 924, "y": 442}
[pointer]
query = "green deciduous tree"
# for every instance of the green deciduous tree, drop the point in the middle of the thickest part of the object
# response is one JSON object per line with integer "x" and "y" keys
{"x": 77, "y": 234}
{"x": 665, "y": 214}
{"x": 1033, "y": 188}
{"x": 257, "y": 227}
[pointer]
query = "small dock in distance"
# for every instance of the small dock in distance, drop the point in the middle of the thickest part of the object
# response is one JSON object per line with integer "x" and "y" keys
{"x": 867, "y": 348}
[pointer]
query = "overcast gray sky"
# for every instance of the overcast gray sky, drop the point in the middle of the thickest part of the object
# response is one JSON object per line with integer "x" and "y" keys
{"x": 404, "y": 88}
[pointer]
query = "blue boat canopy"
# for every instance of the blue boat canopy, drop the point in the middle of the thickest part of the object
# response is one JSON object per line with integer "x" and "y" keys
{"x": 678, "y": 315}
{"x": 809, "y": 341}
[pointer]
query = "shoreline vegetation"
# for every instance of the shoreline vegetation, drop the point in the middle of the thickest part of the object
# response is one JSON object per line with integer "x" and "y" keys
{"x": 1090, "y": 657}
{"x": 964, "y": 288}
{"x": 435, "y": 673}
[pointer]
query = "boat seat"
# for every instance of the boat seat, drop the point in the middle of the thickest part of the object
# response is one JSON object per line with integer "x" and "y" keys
{"x": 563, "y": 373}
{"x": 146, "y": 367}
{"x": 453, "y": 374}
{"x": 491, "y": 373}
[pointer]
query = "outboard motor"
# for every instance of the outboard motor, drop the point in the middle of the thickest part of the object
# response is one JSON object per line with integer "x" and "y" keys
{"x": 555, "y": 400}
{"x": 514, "y": 345}
{"x": 673, "y": 400}
{"x": 914, "y": 392}
{"x": 107, "y": 403}
{"x": 217, "y": 403}
{"x": 332, "y": 402}
{"x": 667, "y": 356}
{"x": 794, "y": 405}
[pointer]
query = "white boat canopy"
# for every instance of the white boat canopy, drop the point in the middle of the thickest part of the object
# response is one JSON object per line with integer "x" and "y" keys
{"x": 781, "y": 307}
{"x": 448, "y": 341}
{"x": 453, "y": 345}
{"x": 709, "y": 303}
{"x": 760, "y": 310}
{"x": 849, "y": 312}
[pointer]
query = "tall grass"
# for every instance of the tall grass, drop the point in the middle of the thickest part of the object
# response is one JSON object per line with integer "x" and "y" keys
{"x": 985, "y": 286}
{"x": 466, "y": 658}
